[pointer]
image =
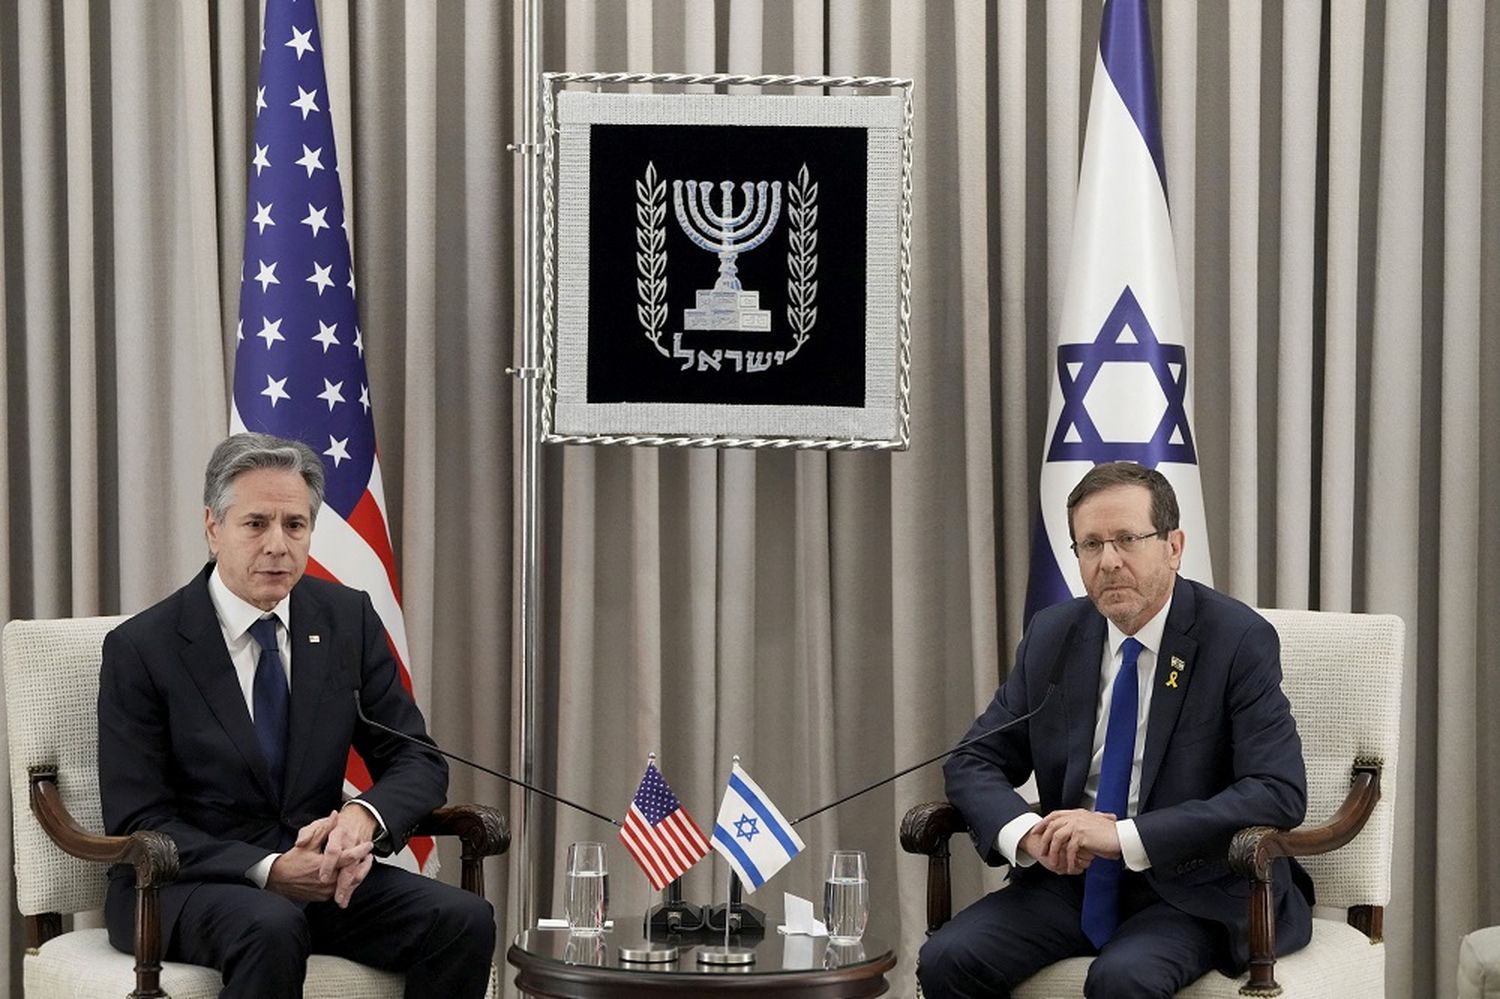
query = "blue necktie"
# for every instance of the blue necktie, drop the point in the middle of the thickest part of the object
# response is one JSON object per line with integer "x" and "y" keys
{"x": 271, "y": 699}
{"x": 1101, "y": 882}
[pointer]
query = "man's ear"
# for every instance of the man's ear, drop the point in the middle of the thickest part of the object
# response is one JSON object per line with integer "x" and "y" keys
{"x": 1176, "y": 542}
{"x": 211, "y": 532}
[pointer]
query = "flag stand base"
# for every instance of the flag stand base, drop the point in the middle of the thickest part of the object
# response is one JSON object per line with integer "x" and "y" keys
{"x": 730, "y": 956}
{"x": 647, "y": 952}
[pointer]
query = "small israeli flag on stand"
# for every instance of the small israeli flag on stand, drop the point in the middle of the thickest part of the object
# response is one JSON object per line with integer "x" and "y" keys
{"x": 751, "y": 833}
{"x": 1120, "y": 390}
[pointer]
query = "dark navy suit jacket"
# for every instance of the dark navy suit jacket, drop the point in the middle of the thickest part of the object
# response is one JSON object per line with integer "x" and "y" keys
{"x": 1221, "y": 753}
{"x": 178, "y": 753}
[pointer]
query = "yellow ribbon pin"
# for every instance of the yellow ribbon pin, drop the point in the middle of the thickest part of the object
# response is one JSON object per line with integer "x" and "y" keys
{"x": 1178, "y": 666}
{"x": 1172, "y": 680}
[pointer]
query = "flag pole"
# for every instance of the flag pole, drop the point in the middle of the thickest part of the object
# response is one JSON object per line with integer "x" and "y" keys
{"x": 530, "y": 470}
{"x": 727, "y": 955}
{"x": 728, "y": 905}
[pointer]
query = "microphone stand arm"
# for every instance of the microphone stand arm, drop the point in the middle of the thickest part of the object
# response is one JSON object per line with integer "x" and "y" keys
{"x": 1009, "y": 723}
{"x": 359, "y": 709}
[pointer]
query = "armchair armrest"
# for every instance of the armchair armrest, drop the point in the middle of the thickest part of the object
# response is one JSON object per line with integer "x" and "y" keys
{"x": 925, "y": 830}
{"x": 926, "y": 827}
{"x": 1252, "y": 850}
{"x": 151, "y": 853}
{"x": 481, "y": 829}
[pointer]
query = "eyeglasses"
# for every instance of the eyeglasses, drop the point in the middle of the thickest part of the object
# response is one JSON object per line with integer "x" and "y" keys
{"x": 1092, "y": 548}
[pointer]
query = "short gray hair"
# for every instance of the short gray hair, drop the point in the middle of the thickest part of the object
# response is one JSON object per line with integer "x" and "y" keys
{"x": 239, "y": 453}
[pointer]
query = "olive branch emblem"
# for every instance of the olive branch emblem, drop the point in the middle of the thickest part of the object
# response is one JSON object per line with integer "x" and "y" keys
{"x": 802, "y": 258}
{"x": 651, "y": 256}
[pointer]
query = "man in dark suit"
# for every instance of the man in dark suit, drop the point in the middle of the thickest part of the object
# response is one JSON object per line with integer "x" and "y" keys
{"x": 1170, "y": 733}
{"x": 225, "y": 721}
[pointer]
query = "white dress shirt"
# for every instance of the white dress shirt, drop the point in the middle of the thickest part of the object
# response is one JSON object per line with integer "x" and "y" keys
{"x": 235, "y": 618}
{"x": 1132, "y": 850}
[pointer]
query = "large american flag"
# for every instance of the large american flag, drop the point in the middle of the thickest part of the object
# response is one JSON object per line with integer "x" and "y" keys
{"x": 299, "y": 368}
{"x": 659, "y": 833}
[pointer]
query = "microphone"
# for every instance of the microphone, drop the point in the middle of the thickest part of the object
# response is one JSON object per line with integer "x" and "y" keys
{"x": 1054, "y": 674}
{"x": 359, "y": 709}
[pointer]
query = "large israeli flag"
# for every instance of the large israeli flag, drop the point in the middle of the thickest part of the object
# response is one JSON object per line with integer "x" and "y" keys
{"x": 751, "y": 834}
{"x": 1120, "y": 389}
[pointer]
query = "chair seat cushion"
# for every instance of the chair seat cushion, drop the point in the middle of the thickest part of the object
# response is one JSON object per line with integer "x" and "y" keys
{"x": 82, "y": 965}
{"x": 1339, "y": 961}
{"x": 1479, "y": 964}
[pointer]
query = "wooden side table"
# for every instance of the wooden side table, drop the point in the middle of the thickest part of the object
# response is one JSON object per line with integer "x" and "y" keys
{"x": 553, "y": 963}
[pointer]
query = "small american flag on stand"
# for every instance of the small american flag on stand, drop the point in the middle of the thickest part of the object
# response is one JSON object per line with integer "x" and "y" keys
{"x": 299, "y": 368}
{"x": 659, "y": 833}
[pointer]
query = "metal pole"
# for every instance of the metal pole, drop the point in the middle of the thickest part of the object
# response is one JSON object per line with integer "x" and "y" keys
{"x": 530, "y": 384}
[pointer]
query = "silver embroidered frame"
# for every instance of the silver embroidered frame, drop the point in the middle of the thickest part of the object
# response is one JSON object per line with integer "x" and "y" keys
{"x": 883, "y": 422}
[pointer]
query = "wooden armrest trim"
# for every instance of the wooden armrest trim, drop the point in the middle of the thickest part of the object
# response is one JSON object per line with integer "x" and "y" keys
{"x": 151, "y": 853}
{"x": 926, "y": 827}
{"x": 481, "y": 828}
{"x": 1252, "y": 849}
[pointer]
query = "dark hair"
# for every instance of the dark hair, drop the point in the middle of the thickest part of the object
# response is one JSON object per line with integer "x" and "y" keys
{"x": 240, "y": 453}
{"x": 1127, "y": 473}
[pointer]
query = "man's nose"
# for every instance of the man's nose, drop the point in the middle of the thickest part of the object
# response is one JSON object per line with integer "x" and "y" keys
{"x": 274, "y": 540}
{"x": 1109, "y": 558}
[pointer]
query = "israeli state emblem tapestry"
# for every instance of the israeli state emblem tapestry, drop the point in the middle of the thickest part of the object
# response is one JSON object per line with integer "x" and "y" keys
{"x": 726, "y": 270}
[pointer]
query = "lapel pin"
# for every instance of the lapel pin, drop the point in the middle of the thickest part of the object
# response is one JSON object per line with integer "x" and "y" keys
{"x": 314, "y": 639}
{"x": 1177, "y": 666}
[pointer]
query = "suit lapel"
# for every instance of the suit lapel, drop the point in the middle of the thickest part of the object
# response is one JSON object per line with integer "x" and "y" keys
{"x": 206, "y": 659}
{"x": 312, "y": 647}
{"x": 1081, "y": 699}
{"x": 1177, "y": 655}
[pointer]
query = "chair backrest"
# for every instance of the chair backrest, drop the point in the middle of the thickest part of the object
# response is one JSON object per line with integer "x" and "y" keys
{"x": 1342, "y": 673}
{"x": 51, "y": 704}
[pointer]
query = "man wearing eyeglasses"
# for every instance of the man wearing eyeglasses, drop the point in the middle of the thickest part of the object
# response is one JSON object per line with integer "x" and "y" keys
{"x": 1168, "y": 733}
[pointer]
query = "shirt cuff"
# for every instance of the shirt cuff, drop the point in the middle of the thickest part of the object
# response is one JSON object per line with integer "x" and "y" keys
{"x": 261, "y": 872}
{"x": 1011, "y": 834}
{"x": 1132, "y": 850}
{"x": 380, "y": 830}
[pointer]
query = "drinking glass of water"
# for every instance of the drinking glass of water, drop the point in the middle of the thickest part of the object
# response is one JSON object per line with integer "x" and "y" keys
{"x": 587, "y": 888}
{"x": 846, "y": 897}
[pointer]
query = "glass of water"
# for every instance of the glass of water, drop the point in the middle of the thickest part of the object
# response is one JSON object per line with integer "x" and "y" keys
{"x": 846, "y": 897}
{"x": 587, "y": 888}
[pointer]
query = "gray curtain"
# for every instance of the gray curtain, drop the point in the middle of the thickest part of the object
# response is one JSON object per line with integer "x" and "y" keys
{"x": 828, "y": 618}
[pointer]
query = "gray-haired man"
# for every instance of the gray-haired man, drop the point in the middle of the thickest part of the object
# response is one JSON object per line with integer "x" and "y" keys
{"x": 225, "y": 721}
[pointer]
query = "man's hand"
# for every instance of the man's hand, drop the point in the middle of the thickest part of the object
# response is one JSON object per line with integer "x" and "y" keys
{"x": 348, "y": 840}
{"x": 294, "y": 874}
{"x": 1067, "y": 841}
{"x": 315, "y": 833}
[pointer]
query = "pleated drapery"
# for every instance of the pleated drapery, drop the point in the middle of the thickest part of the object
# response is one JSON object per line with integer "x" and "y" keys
{"x": 828, "y": 618}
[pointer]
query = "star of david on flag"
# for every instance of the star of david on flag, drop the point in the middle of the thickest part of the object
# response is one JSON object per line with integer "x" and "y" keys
{"x": 659, "y": 833}
{"x": 299, "y": 368}
{"x": 1121, "y": 389}
{"x": 751, "y": 834}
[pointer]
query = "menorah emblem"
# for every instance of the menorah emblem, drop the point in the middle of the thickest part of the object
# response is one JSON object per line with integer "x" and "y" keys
{"x": 727, "y": 306}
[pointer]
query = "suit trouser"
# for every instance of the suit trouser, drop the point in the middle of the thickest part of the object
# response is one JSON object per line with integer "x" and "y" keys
{"x": 441, "y": 937}
{"x": 1007, "y": 936}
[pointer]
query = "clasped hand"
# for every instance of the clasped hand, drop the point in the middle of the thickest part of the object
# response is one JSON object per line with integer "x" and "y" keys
{"x": 1067, "y": 841}
{"x": 329, "y": 859}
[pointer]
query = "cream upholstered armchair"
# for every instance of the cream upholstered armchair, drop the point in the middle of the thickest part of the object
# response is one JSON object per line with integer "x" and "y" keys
{"x": 1342, "y": 673}
{"x": 51, "y": 671}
